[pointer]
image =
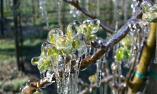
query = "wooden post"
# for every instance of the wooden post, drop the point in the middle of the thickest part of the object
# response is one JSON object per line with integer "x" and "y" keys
{"x": 145, "y": 60}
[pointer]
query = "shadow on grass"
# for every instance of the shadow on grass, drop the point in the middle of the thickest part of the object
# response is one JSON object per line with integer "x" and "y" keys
{"x": 8, "y": 51}
{"x": 28, "y": 51}
{"x": 31, "y": 51}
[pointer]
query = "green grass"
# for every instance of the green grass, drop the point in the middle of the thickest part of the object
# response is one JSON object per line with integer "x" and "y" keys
{"x": 32, "y": 42}
{"x": 14, "y": 85}
{"x": 8, "y": 56}
{"x": 7, "y": 49}
{"x": 7, "y": 44}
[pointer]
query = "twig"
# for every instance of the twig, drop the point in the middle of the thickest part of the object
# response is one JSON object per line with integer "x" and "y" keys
{"x": 33, "y": 86}
{"x": 106, "y": 80}
{"x": 103, "y": 24}
{"x": 91, "y": 60}
{"x": 94, "y": 86}
{"x": 123, "y": 31}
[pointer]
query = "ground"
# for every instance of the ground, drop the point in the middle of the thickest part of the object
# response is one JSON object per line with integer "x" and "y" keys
{"x": 12, "y": 80}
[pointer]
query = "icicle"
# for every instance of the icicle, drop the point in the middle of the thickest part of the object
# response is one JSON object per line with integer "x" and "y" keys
{"x": 125, "y": 10}
{"x": 87, "y": 5}
{"x": 42, "y": 4}
{"x": 135, "y": 7}
{"x": 114, "y": 68}
{"x": 117, "y": 13}
{"x": 74, "y": 83}
{"x": 75, "y": 13}
{"x": 59, "y": 12}
{"x": 102, "y": 75}
{"x": 98, "y": 71}
{"x": 75, "y": 77}
{"x": 135, "y": 27}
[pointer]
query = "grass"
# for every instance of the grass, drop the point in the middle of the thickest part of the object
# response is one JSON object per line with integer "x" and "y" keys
{"x": 7, "y": 49}
{"x": 14, "y": 85}
{"x": 32, "y": 48}
{"x": 10, "y": 79}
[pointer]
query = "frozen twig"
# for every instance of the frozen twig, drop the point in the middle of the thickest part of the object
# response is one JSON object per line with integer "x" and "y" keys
{"x": 106, "y": 80}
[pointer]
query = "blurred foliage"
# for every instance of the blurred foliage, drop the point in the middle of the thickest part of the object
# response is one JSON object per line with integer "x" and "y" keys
{"x": 7, "y": 50}
{"x": 14, "y": 85}
{"x": 150, "y": 13}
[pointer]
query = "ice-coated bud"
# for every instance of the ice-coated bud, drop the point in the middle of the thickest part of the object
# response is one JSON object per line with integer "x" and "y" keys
{"x": 114, "y": 66}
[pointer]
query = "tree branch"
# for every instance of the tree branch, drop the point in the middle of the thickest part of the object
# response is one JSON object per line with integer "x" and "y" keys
{"x": 106, "y": 80}
{"x": 89, "y": 89}
{"x": 103, "y": 24}
{"x": 123, "y": 31}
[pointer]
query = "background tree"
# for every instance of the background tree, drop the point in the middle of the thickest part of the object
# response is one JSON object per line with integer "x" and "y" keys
{"x": 2, "y": 17}
{"x": 18, "y": 34}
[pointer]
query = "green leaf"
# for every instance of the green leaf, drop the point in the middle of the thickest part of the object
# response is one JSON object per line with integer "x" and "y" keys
{"x": 35, "y": 60}
{"x": 52, "y": 37}
{"x": 44, "y": 64}
{"x": 76, "y": 44}
{"x": 54, "y": 53}
{"x": 119, "y": 55}
{"x": 123, "y": 54}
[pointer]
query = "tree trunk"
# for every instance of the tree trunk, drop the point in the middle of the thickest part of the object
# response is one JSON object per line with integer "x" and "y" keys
{"x": 34, "y": 11}
{"x": 17, "y": 33}
{"x": 2, "y": 17}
